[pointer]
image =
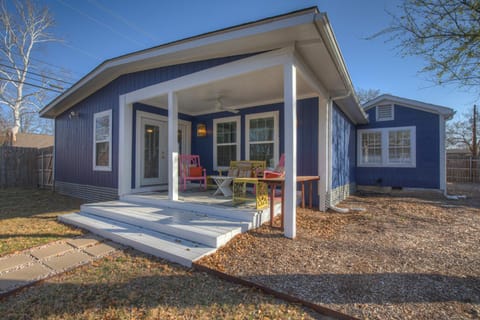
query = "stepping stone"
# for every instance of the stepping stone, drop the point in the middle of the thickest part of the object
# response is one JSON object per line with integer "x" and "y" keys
{"x": 83, "y": 242}
{"x": 24, "y": 276}
{"x": 14, "y": 261}
{"x": 67, "y": 261}
{"x": 102, "y": 249}
{"x": 51, "y": 250}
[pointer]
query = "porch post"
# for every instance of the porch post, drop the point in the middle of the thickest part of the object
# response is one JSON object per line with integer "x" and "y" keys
{"x": 290, "y": 107}
{"x": 323, "y": 151}
{"x": 125, "y": 136}
{"x": 172, "y": 146}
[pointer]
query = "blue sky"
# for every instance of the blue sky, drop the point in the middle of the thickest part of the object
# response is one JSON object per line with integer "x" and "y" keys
{"x": 96, "y": 30}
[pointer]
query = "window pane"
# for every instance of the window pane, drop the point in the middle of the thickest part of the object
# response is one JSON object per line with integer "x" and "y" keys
{"x": 225, "y": 154}
{"x": 101, "y": 128}
{"x": 261, "y": 129}
{"x": 399, "y": 146}
{"x": 372, "y": 147}
{"x": 227, "y": 132}
{"x": 262, "y": 151}
{"x": 102, "y": 154}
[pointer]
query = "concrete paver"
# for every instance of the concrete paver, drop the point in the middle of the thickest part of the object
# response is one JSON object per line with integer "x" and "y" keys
{"x": 14, "y": 261}
{"x": 51, "y": 250}
{"x": 102, "y": 249}
{"x": 83, "y": 242}
{"x": 23, "y": 276}
{"x": 68, "y": 260}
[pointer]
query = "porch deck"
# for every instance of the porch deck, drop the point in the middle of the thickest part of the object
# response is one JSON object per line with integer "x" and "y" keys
{"x": 181, "y": 231}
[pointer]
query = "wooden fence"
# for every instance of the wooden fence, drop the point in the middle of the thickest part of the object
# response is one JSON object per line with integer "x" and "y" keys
{"x": 463, "y": 169}
{"x": 25, "y": 167}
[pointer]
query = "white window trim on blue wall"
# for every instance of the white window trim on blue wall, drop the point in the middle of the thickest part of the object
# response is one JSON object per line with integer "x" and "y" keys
{"x": 95, "y": 116}
{"x": 238, "y": 142}
{"x": 385, "y": 146}
{"x": 276, "y": 139}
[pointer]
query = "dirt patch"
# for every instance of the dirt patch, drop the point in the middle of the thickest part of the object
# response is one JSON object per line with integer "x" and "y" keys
{"x": 409, "y": 256}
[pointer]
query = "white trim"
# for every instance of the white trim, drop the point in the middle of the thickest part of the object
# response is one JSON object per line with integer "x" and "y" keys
{"x": 95, "y": 116}
{"x": 443, "y": 155}
{"x": 385, "y": 147}
{"x": 329, "y": 150}
{"x": 392, "y": 116}
{"x": 276, "y": 136}
{"x": 238, "y": 143}
{"x": 409, "y": 103}
{"x": 290, "y": 131}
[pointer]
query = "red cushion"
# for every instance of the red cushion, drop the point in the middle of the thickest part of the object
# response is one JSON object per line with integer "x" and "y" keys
{"x": 196, "y": 172}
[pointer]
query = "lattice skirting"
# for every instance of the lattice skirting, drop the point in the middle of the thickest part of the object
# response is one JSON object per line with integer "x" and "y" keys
{"x": 340, "y": 193}
{"x": 87, "y": 192}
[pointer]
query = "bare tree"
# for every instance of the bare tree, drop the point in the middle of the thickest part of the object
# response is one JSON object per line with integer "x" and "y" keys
{"x": 365, "y": 95}
{"x": 465, "y": 133}
{"x": 24, "y": 28}
{"x": 446, "y": 33}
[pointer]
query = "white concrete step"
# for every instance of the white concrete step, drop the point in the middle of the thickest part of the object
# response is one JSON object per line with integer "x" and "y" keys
{"x": 193, "y": 226}
{"x": 155, "y": 243}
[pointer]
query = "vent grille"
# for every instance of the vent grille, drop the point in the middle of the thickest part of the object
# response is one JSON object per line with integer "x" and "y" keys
{"x": 385, "y": 112}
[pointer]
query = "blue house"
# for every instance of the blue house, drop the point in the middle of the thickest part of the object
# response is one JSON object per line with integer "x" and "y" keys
{"x": 283, "y": 77}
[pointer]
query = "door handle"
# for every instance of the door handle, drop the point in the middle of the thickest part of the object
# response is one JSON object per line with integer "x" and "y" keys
{"x": 163, "y": 154}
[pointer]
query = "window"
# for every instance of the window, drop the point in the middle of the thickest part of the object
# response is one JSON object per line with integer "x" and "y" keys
{"x": 102, "y": 141}
{"x": 387, "y": 147}
{"x": 226, "y": 133}
{"x": 262, "y": 137}
{"x": 385, "y": 112}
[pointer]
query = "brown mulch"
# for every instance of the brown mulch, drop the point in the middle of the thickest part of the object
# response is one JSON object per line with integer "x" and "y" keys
{"x": 408, "y": 256}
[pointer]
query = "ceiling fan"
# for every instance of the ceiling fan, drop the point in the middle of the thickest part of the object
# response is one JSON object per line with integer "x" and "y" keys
{"x": 220, "y": 106}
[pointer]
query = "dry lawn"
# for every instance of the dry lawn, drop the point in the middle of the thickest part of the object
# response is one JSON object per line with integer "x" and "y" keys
{"x": 131, "y": 285}
{"x": 409, "y": 256}
{"x": 28, "y": 218}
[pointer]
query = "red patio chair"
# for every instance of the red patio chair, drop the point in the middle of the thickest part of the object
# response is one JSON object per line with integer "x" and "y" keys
{"x": 190, "y": 169}
{"x": 279, "y": 170}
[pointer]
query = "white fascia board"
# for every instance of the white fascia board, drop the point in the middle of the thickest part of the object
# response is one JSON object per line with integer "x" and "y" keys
{"x": 188, "y": 44}
{"x": 250, "y": 64}
{"x": 414, "y": 104}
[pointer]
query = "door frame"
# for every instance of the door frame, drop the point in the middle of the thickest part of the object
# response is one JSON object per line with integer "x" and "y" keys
{"x": 184, "y": 125}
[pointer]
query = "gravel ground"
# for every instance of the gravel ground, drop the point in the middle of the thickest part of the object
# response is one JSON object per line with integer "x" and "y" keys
{"x": 408, "y": 256}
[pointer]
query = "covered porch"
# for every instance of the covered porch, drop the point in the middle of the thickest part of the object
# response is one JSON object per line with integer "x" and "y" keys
{"x": 276, "y": 79}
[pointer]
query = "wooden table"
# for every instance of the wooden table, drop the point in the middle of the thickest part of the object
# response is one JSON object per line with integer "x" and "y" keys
{"x": 274, "y": 182}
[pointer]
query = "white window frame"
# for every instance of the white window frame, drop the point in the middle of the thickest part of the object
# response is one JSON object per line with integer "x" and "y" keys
{"x": 276, "y": 139}
{"x": 385, "y": 148}
{"x": 238, "y": 142}
{"x": 385, "y": 119}
{"x": 95, "y": 117}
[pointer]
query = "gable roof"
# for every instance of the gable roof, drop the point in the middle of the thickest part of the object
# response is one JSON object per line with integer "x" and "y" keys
{"x": 308, "y": 28}
{"x": 415, "y": 104}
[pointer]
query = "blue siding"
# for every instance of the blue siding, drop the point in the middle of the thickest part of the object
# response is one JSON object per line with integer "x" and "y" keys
{"x": 74, "y": 137}
{"x": 427, "y": 171}
{"x": 343, "y": 149}
{"x": 307, "y": 136}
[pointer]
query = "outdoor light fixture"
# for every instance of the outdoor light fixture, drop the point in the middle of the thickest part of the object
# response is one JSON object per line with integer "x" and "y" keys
{"x": 201, "y": 130}
{"x": 73, "y": 114}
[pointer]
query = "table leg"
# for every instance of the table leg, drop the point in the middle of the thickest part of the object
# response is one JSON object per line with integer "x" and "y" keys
{"x": 272, "y": 203}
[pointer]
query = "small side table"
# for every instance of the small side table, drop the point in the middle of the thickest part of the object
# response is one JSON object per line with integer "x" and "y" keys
{"x": 223, "y": 183}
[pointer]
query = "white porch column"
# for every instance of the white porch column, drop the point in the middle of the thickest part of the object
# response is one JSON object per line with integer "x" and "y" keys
{"x": 125, "y": 136}
{"x": 290, "y": 105}
{"x": 172, "y": 146}
{"x": 323, "y": 152}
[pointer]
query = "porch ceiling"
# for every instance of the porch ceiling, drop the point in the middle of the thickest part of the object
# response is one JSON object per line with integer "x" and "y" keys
{"x": 246, "y": 90}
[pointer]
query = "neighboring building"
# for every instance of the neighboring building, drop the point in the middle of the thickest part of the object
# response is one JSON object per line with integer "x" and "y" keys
{"x": 274, "y": 86}
{"x": 28, "y": 140}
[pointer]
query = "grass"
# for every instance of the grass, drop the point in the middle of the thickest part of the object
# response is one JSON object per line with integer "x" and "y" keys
{"x": 28, "y": 218}
{"x": 131, "y": 285}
